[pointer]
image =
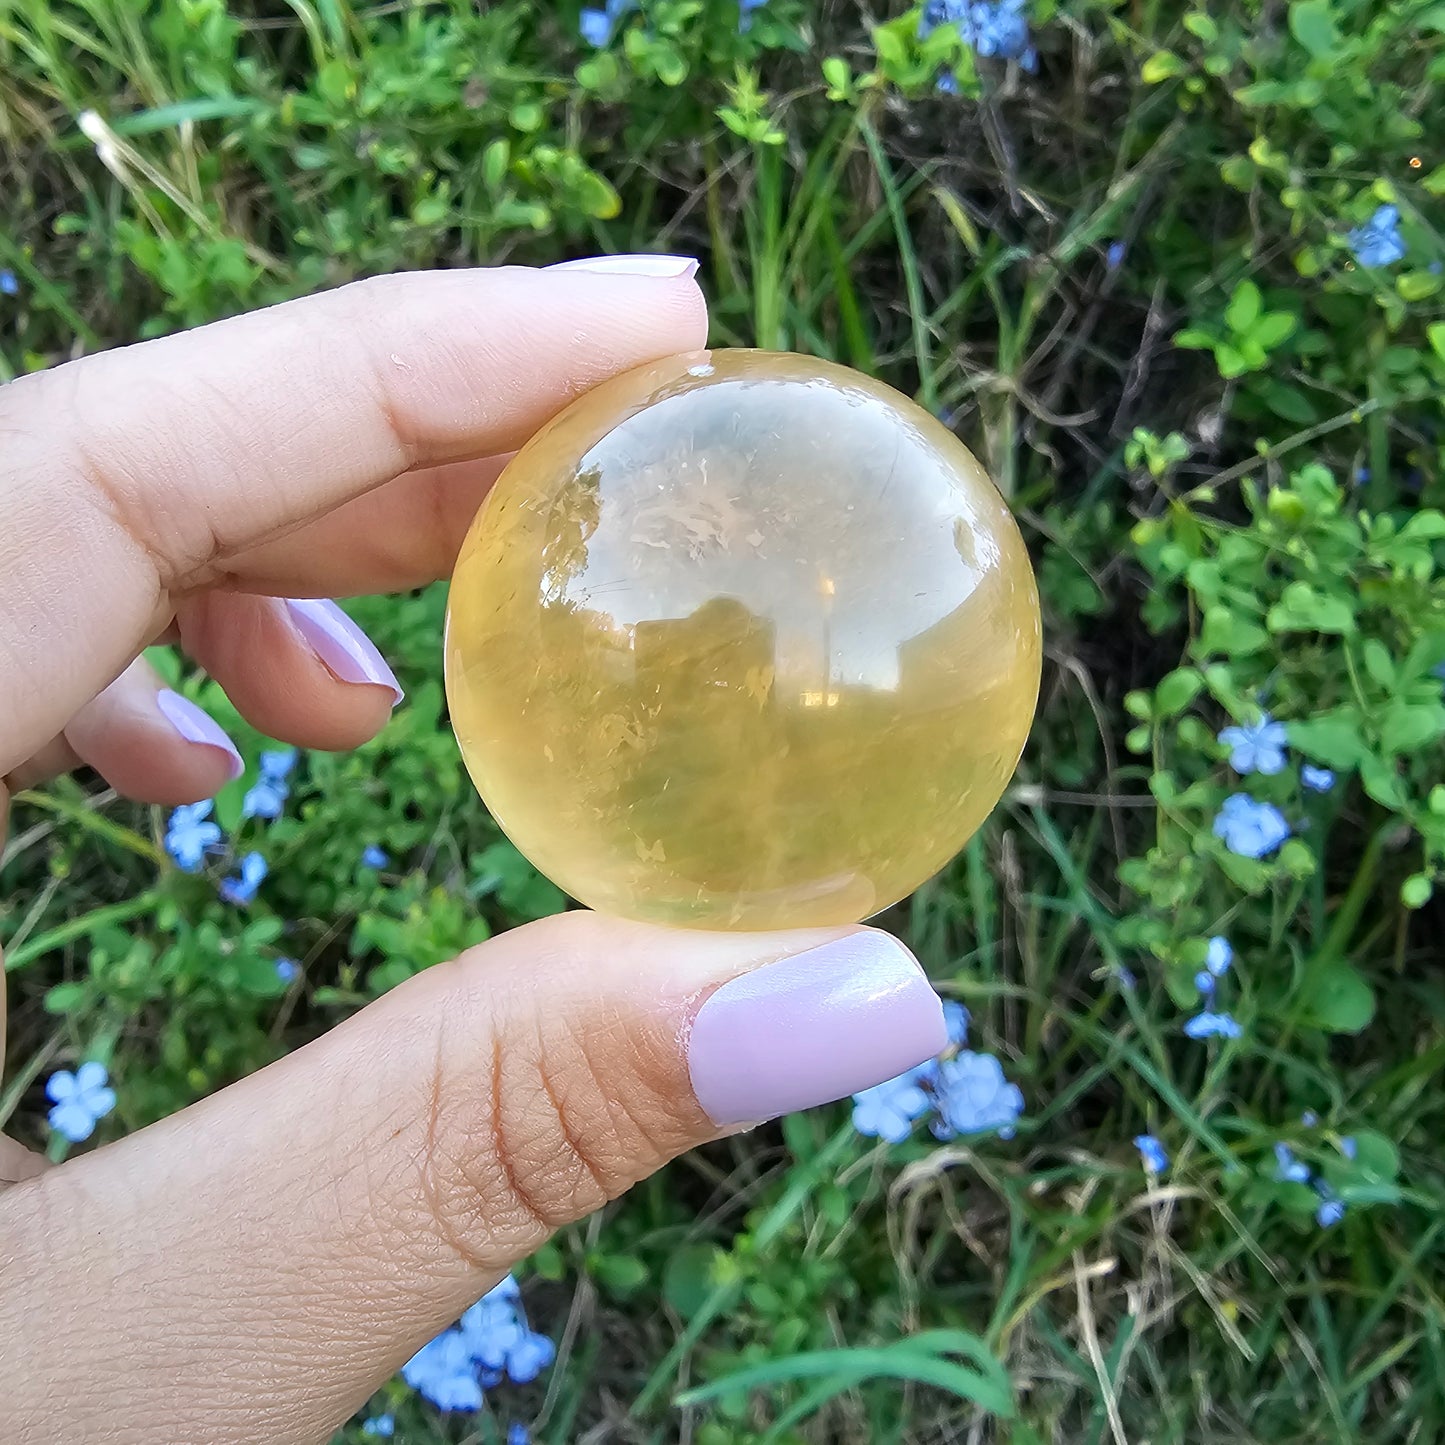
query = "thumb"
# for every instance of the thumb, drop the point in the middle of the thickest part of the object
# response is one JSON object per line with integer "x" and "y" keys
{"x": 265, "y": 1259}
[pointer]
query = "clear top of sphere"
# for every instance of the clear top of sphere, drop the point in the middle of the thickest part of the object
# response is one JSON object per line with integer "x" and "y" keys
{"x": 742, "y": 640}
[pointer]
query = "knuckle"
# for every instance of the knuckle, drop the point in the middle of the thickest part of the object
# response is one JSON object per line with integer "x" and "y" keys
{"x": 549, "y": 1127}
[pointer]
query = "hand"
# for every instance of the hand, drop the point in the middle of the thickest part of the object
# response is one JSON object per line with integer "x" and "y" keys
{"x": 252, "y": 1268}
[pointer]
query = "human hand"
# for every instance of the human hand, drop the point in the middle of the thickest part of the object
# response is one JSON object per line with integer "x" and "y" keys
{"x": 252, "y": 1268}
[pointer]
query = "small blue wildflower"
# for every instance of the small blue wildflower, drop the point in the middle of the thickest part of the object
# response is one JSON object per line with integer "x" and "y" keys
{"x": 79, "y": 1100}
{"x": 1317, "y": 780}
{"x": 939, "y": 12}
{"x": 956, "y": 1021}
{"x": 1152, "y": 1152}
{"x": 1309, "y": 1118}
{"x": 532, "y": 1354}
{"x": 9, "y": 285}
{"x": 374, "y": 857}
{"x": 379, "y": 1427}
{"x": 947, "y": 83}
{"x": 1348, "y": 1147}
{"x": 745, "y": 13}
{"x": 1114, "y": 256}
{"x": 1288, "y": 1169}
{"x": 518, "y": 1434}
{"x": 1000, "y": 30}
{"x": 1250, "y": 828}
{"x": 972, "y": 1096}
{"x": 1256, "y": 747}
{"x": 189, "y": 834}
{"x": 443, "y": 1372}
{"x": 1436, "y": 267}
{"x": 241, "y": 890}
{"x": 888, "y": 1110}
{"x": 596, "y": 26}
{"x": 264, "y": 799}
{"x": 287, "y": 969}
{"x": 1204, "y": 982}
{"x": 1218, "y": 956}
{"x": 1362, "y": 476}
{"x": 1332, "y": 1207}
{"x": 1378, "y": 242}
{"x": 276, "y": 764}
{"x": 1212, "y": 1026}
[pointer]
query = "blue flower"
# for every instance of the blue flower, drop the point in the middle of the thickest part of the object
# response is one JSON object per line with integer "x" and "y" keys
{"x": 745, "y": 13}
{"x": 1249, "y": 828}
{"x": 1332, "y": 1207}
{"x": 956, "y": 1021}
{"x": 1309, "y": 1118}
{"x": 596, "y": 26}
{"x": 374, "y": 857}
{"x": 1001, "y": 30}
{"x": 532, "y": 1354}
{"x": 1317, "y": 780}
{"x": 947, "y": 83}
{"x": 1348, "y": 1147}
{"x": 1288, "y": 1169}
{"x": 188, "y": 835}
{"x": 9, "y": 286}
{"x": 1362, "y": 476}
{"x": 1114, "y": 256}
{"x": 444, "y": 1372}
{"x": 1212, "y": 1026}
{"x": 379, "y": 1427}
{"x": 1377, "y": 242}
{"x": 1256, "y": 747}
{"x": 939, "y": 12}
{"x": 518, "y": 1434}
{"x": 1151, "y": 1151}
{"x": 277, "y": 763}
{"x": 1204, "y": 982}
{"x": 79, "y": 1100}
{"x": 242, "y": 890}
{"x": 264, "y": 799}
{"x": 973, "y": 1097}
{"x": 1218, "y": 956}
{"x": 498, "y": 1339}
{"x": 887, "y": 1111}
{"x": 287, "y": 969}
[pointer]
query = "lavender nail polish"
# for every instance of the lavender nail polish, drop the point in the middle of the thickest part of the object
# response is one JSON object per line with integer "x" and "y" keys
{"x": 341, "y": 644}
{"x": 812, "y": 1028}
{"x": 196, "y": 726}
{"x": 638, "y": 265}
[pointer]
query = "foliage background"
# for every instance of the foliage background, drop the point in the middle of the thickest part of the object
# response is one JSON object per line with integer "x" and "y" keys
{"x": 1126, "y": 279}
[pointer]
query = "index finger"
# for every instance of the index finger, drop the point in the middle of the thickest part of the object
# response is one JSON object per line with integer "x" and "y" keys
{"x": 130, "y": 475}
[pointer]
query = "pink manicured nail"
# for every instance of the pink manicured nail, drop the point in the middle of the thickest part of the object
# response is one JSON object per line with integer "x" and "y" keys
{"x": 640, "y": 265}
{"x": 812, "y": 1028}
{"x": 341, "y": 644}
{"x": 196, "y": 726}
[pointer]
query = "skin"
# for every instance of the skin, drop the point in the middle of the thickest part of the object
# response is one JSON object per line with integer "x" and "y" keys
{"x": 255, "y": 1266}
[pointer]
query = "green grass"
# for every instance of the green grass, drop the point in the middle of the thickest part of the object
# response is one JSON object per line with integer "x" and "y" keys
{"x": 798, "y": 1284}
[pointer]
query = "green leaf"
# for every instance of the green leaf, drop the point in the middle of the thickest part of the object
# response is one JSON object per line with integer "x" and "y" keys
{"x": 1332, "y": 738}
{"x": 1160, "y": 66}
{"x": 1230, "y": 361}
{"x": 1436, "y": 333}
{"x": 1417, "y": 285}
{"x": 67, "y": 999}
{"x": 1302, "y": 608}
{"x": 1226, "y": 633}
{"x": 1378, "y": 663}
{"x": 1244, "y": 307}
{"x": 619, "y": 1274}
{"x": 1272, "y": 328}
{"x": 1337, "y": 998}
{"x": 1381, "y": 782}
{"x": 690, "y": 1277}
{"x": 1416, "y": 890}
{"x": 1313, "y": 25}
{"x": 1176, "y": 691}
{"x": 1408, "y": 727}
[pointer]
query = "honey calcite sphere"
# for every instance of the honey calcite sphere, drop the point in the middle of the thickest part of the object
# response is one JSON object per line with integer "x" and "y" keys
{"x": 742, "y": 640}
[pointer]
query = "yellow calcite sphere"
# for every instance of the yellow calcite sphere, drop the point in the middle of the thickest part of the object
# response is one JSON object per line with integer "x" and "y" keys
{"x": 742, "y": 640}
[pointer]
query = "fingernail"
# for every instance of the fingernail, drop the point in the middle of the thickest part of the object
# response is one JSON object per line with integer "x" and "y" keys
{"x": 632, "y": 265}
{"x": 341, "y": 644}
{"x": 196, "y": 726}
{"x": 812, "y": 1028}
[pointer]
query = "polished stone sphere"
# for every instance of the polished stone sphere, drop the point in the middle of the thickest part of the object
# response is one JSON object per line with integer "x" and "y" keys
{"x": 742, "y": 640}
